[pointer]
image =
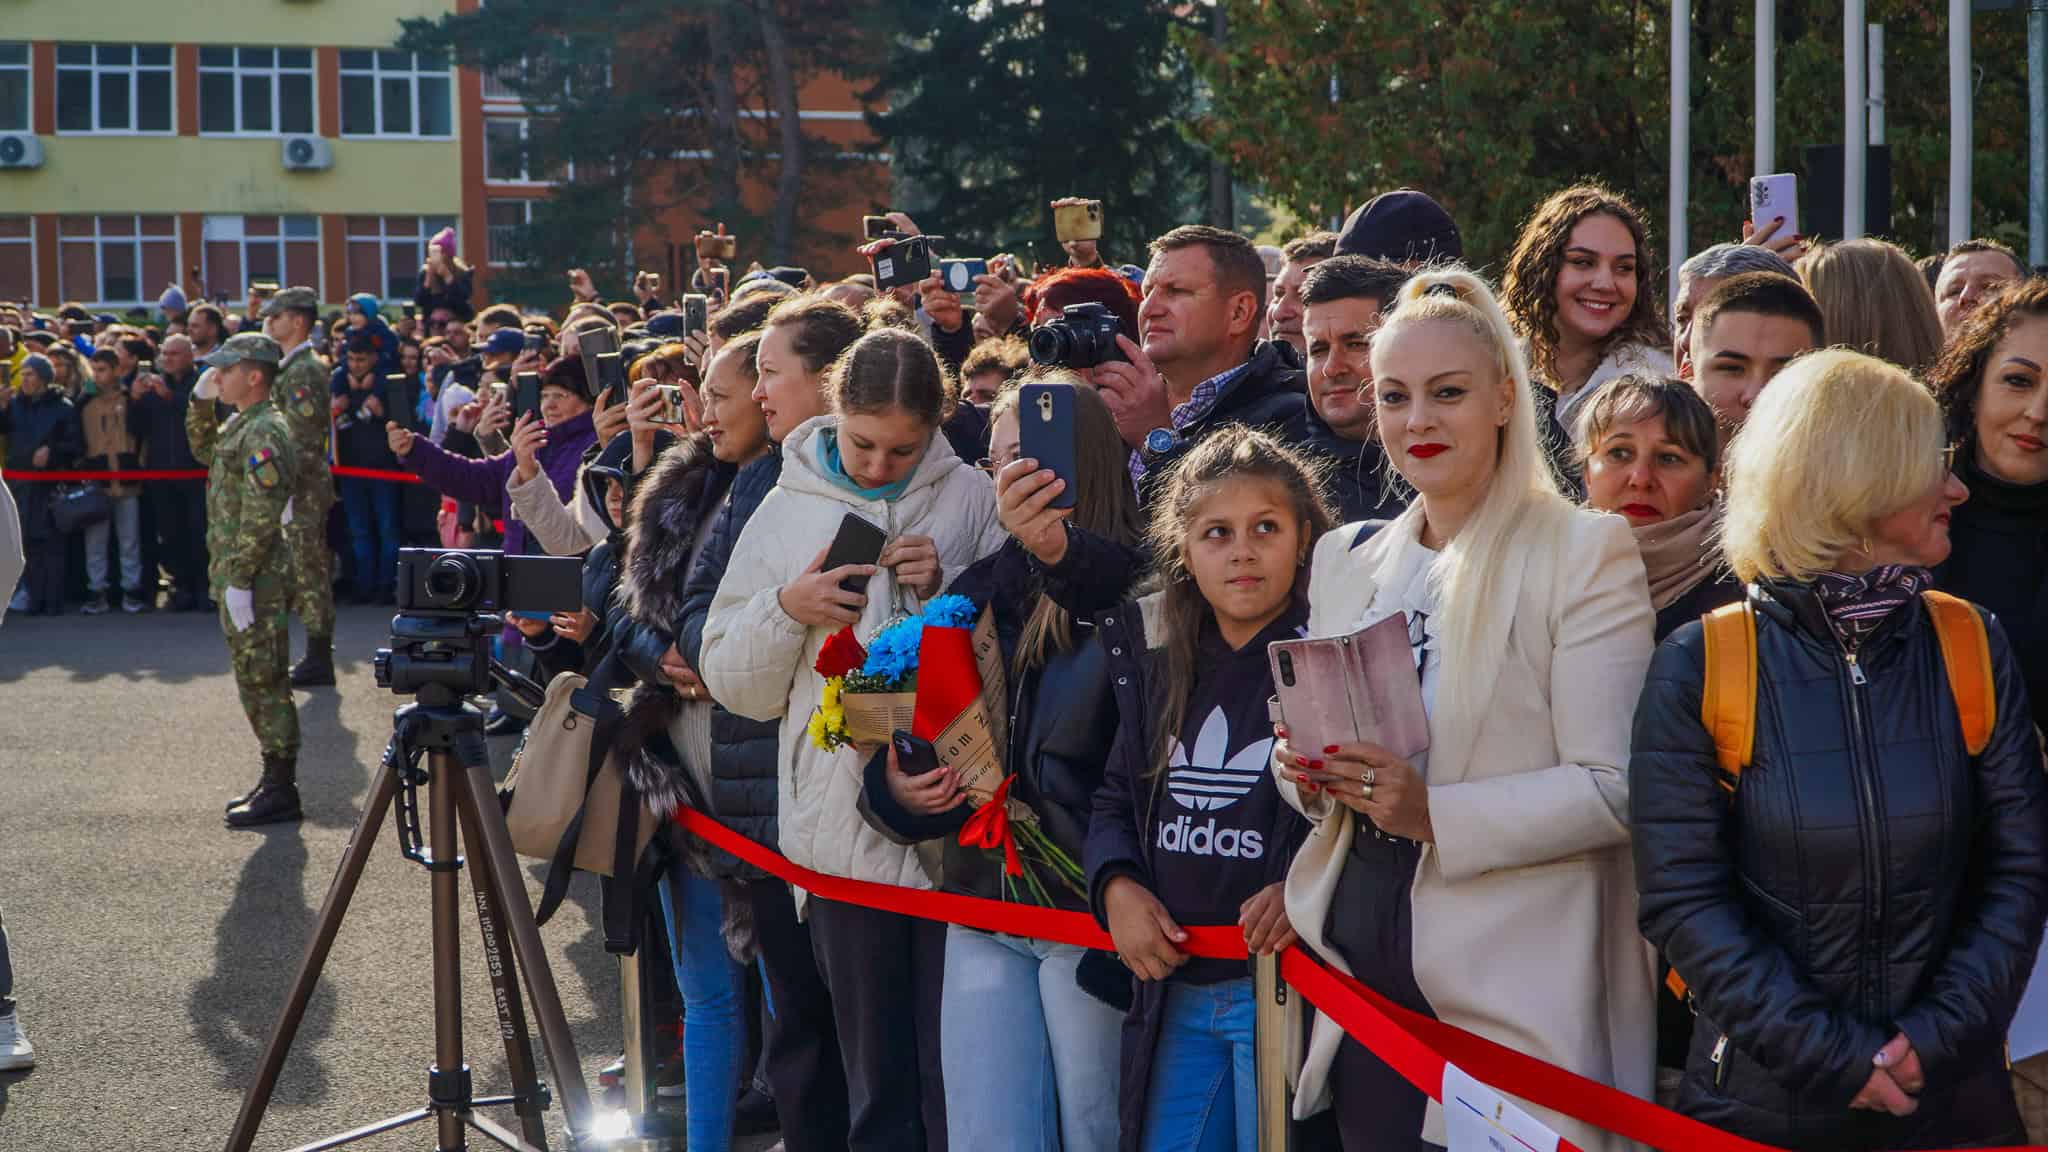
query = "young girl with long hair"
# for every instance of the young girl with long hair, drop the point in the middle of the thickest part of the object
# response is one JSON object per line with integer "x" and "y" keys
{"x": 1188, "y": 827}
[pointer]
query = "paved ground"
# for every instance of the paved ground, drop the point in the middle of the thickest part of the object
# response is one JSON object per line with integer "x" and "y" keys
{"x": 153, "y": 949}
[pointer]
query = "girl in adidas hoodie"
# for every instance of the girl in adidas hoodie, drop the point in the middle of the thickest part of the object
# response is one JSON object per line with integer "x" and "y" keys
{"x": 1188, "y": 827}
{"x": 877, "y": 456}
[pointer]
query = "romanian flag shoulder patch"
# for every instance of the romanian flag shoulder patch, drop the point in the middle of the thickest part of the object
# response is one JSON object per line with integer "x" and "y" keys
{"x": 264, "y": 469}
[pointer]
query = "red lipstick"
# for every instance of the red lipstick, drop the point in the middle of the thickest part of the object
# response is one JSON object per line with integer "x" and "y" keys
{"x": 1425, "y": 451}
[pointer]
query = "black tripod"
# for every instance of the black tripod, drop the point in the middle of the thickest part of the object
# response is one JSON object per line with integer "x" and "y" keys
{"x": 447, "y": 733}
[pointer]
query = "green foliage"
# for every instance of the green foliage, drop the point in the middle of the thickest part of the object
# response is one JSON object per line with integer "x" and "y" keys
{"x": 1490, "y": 106}
{"x": 995, "y": 109}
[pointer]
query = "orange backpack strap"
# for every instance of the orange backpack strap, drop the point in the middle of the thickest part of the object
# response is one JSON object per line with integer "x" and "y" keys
{"x": 1966, "y": 652}
{"x": 1728, "y": 699}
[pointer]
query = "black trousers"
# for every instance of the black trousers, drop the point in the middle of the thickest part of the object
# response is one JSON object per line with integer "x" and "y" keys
{"x": 43, "y": 575}
{"x": 802, "y": 1045}
{"x": 886, "y": 974}
{"x": 179, "y": 509}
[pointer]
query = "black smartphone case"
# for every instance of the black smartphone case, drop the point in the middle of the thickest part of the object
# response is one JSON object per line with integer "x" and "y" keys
{"x": 857, "y": 542}
{"x": 1045, "y": 433}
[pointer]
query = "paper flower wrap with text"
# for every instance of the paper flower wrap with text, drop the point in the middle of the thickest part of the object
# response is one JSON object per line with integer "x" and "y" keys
{"x": 939, "y": 676}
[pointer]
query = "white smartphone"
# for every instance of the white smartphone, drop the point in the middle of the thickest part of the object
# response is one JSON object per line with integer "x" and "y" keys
{"x": 1771, "y": 197}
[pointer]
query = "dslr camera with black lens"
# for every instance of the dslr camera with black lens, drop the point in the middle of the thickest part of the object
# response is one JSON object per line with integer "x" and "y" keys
{"x": 1083, "y": 336}
{"x": 447, "y": 599}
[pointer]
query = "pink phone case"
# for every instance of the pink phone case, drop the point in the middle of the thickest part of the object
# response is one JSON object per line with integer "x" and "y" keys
{"x": 1360, "y": 688}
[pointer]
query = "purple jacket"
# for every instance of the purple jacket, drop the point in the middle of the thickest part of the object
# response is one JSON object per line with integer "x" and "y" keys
{"x": 483, "y": 481}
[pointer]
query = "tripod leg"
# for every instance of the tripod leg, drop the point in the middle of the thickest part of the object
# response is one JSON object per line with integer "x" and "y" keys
{"x": 517, "y": 908}
{"x": 332, "y": 909}
{"x": 448, "y": 1084}
{"x": 504, "y": 978}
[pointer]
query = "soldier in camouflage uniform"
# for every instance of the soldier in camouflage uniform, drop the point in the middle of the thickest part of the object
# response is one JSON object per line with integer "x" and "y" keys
{"x": 251, "y": 463}
{"x": 301, "y": 395}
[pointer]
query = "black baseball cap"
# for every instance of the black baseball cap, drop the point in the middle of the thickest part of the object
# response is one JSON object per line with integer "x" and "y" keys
{"x": 1401, "y": 227}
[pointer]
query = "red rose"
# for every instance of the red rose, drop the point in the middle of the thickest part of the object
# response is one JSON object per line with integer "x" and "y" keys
{"x": 840, "y": 655}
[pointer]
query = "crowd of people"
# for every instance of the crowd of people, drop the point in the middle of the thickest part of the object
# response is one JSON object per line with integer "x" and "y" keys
{"x": 1730, "y": 634}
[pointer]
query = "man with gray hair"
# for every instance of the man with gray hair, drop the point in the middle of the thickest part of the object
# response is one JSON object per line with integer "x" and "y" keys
{"x": 156, "y": 414}
{"x": 1699, "y": 276}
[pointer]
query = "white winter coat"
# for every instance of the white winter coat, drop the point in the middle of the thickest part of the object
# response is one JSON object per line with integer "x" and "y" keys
{"x": 757, "y": 661}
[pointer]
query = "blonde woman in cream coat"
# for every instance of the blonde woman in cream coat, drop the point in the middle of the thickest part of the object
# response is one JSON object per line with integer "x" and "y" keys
{"x": 1489, "y": 882}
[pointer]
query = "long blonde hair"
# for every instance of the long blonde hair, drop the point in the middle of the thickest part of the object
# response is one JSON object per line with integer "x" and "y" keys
{"x": 1522, "y": 504}
{"x": 1874, "y": 301}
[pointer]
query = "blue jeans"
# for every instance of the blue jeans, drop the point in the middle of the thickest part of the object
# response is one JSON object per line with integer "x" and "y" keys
{"x": 1030, "y": 1059}
{"x": 371, "y": 508}
{"x": 713, "y": 1042}
{"x": 1204, "y": 1091}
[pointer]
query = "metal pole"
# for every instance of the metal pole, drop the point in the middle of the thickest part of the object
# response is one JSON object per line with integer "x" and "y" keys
{"x": 1875, "y": 102}
{"x": 1681, "y": 138}
{"x": 1766, "y": 88}
{"x": 1960, "y": 155}
{"x": 1854, "y": 118}
{"x": 2037, "y": 131}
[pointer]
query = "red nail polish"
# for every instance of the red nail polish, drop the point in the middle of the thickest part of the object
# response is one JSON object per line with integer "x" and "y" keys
{"x": 1329, "y": 748}
{"x": 1316, "y": 765}
{"x": 1301, "y": 777}
{"x": 1315, "y": 787}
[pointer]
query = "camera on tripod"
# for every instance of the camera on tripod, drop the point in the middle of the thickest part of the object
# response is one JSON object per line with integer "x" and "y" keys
{"x": 447, "y": 598}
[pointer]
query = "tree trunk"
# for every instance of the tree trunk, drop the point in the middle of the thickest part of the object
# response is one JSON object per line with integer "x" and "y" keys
{"x": 725, "y": 117}
{"x": 789, "y": 123}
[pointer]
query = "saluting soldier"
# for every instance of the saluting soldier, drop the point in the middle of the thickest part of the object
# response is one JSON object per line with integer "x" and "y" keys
{"x": 301, "y": 396}
{"x": 252, "y": 464}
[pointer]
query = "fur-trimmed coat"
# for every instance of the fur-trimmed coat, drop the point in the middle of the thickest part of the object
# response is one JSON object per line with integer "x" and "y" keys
{"x": 671, "y": 502}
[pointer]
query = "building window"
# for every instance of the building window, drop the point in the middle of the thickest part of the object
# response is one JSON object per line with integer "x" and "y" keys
{"x": 242, "y": 249}
{"x": 508, "y": 220}
{"x": 17, "y": 258}
{"x": 505, "y": 160}
{"x": 395, "y": 94}
{"x": 255, "y": 91}
{"x": 385, "y": 252}
{"x": 114, "y": 88}
{"x": 14, "y": 76}
{"x": 116, "y": 259}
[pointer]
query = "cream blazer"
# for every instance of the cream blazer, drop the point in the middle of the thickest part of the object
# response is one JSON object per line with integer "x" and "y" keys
{"x": 1525, "y": 907}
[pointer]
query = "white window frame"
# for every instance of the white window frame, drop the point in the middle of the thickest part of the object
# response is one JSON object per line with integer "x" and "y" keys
{"x": 276, "y": 73}
{"x": 101, "y": 242}
{"x": 428, "y": 225}
{"x": 134, "y": 72}
{"x": 28, "y": 243}
{"x": 377, "y": 72}
{"x": 233, "y": 230}
{"x": 492, "y": 242}
{"x": 27, "y": 69}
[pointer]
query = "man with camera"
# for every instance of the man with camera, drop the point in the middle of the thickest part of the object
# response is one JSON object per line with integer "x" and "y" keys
{"x": 251, "y": 466}
{"x": 1199, "y": 363}
{"x": 290, "y": 317}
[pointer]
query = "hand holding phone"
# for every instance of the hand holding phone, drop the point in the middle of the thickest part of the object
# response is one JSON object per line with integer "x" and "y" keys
{"x": 819, "y": 597}
{"x": 1076, "y": 219}
{"x": 856, "y": 543}
{"x": 915, "y": 779}
{"x": 1772, "y": 198}
{"x": 1045, "y": 433}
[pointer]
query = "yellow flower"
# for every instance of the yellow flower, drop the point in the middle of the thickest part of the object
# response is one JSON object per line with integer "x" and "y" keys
{"x": 817, "y": 730}
{"x": 829, "y": 698}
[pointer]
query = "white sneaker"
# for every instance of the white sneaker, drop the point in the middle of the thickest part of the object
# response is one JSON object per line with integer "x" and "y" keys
{"x": 16, "y": 1053}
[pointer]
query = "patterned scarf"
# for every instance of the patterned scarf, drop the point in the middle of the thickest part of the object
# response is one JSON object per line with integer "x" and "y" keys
{"x": 1856, "y": 605}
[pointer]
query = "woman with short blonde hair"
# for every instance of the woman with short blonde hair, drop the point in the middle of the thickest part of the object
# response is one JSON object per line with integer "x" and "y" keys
{"x": 1856, "y": 912}
{"x": 1875, "y": 301}
{"x": 1530, "y": 623}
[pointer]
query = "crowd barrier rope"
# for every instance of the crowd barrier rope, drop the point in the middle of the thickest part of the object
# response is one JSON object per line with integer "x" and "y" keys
{"x": 1416, "y": 1046}
{"x": 126, "y": 475}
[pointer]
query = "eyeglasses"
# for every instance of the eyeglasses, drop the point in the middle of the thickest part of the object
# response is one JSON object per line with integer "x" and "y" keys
{"x": 993, "y": 464}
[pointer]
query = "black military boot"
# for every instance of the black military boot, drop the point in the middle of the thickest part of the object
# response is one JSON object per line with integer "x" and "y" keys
{"x": 276, "y": 798}
{"x": 317, "y": 669}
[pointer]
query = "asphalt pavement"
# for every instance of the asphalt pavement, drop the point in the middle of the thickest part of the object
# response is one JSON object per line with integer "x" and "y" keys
{"x": 153, "y": 949}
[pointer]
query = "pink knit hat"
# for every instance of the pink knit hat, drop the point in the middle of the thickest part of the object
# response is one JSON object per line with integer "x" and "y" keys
{"x": 444, "y": 240}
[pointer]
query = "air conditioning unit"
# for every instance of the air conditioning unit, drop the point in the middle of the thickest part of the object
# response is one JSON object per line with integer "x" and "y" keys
{"x": 307, "y": 154}
{"x": 20, "y": 150}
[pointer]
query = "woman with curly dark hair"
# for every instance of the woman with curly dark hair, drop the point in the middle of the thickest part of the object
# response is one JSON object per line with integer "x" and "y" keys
{"x": 1578, "y": 293}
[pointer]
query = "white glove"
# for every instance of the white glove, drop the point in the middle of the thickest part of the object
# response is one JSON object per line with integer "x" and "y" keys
{"x": 207, "y": 388}
{"x": 287, "y": 517}
{"x": 241, "y": 608}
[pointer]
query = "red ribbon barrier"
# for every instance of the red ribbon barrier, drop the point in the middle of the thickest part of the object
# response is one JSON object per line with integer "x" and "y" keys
{"x": 40, "y": 476}
{"x": 1412, "y": 1044}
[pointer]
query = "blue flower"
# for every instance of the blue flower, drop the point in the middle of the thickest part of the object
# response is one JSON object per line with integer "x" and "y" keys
{"x": 892, "y": 654}
{"x": 950, "y": 612}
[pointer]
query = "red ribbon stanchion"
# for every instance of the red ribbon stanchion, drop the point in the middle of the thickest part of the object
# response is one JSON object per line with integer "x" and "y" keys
{"x": 1414, "y": 1045}
{"x": 42, "y": 476}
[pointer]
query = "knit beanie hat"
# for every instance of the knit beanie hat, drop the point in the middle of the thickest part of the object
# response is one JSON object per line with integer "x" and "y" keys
{"x": 365, "y": 303}
{"x": 171, "y": 301}
{"x": 445, "y": 241}
{"x": 41, "y": 366}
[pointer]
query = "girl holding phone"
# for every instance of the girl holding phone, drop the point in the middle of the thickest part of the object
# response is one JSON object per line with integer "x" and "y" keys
{"x": 1188, "y": 827}
{"x": 877, "y": 455}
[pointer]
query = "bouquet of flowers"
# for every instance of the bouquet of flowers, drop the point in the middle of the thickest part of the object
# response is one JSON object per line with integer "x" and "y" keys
{"x": 872, "y": 691}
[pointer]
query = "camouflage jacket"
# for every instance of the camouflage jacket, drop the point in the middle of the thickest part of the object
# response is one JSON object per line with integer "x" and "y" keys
{"x": 251, "y": 465}
{"x": 301, "y": 396}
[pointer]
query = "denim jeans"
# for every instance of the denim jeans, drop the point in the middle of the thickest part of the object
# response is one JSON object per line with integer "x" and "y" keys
{"x": 709, "y": 979}
{"x": 371, "y": 508}
{"x": 1204, "y": 1091}
{"x": 1030, "y": 1059}
{"x": 6, "y": 971}
{"x": 126, "y": 523}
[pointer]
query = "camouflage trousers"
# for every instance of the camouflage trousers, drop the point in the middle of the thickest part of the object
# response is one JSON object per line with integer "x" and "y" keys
{"x": 309, "y": 586}
{"x": 261, "y": 657}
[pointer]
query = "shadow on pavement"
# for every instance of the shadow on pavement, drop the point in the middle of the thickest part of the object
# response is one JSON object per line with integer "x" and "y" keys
{"x": 9, "y": 1080}
{"x": 258, "y": 945}
{"x": 334, "y": 765}
{"x": 158, "y": 647}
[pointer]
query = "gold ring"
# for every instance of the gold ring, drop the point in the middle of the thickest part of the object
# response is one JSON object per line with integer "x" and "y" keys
{"x": 1365, "y": 791}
